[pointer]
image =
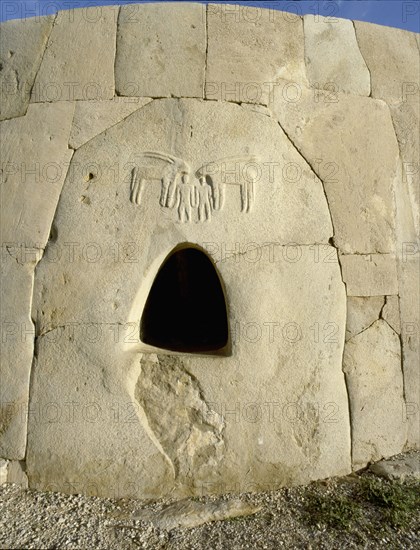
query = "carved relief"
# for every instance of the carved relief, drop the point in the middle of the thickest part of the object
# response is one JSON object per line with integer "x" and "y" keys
{"x": 195, "y": 196}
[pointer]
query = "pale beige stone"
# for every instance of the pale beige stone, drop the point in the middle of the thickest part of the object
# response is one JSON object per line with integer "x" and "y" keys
{"x": 409, "y": 298}
{"x": 250, "y": 51}
{"x": 86, "y": 432}
{"x": 333, "y": 59}
{"x": 392, "y": 57}
{"x": 391, "y": 313}
{"x": 79, "y": 59}
{"x": 35, "y": 160}
{"x": 361, "y": 313}
{"x": 404, "y": 469}
{"x": 369, "y": 274}
{"x": 16, "y": 474}
{"x": 406, "y": 119}
{"x": 188, "y": 514}
{"x": 93, "y": 117}
{"x": 22, "y": 44}
{"x": 3, "y": 471}
{"x": 356, "y": 163}
{"x": 161, "y": 50}
{"x": 288, "y": 207}
{"x": 372, "y": 365}
{"x": 18, "y": 335}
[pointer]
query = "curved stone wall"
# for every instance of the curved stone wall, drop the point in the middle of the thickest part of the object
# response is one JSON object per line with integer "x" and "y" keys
{"x": 286, "y": 149}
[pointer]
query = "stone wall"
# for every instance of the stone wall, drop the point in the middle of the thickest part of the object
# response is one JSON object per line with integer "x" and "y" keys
{"x": 300, "y": 137}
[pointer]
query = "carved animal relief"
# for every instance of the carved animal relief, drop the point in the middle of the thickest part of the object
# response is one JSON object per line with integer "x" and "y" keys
{"x": 195, "y": 196}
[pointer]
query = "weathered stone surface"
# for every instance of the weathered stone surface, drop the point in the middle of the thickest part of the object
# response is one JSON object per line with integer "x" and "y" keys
{"x": 79, "y": 59}
{"x": 16, "y": 353}
{"x": 391, "y": 313}
{"x": 356, "y": 163}
{"x": 165, "y": 42}
{"x": 407, "y": 468}
{"x": 189, "y": 513}
{"x": 370, "y": 274}
{"x": 409, "y": 298}
{"x": 35, "y": 160}
{"x": 16, "y": 474}
{"x": 22, "y": 44}
{"x": 93, "y": 117}
{"x": 285, "y": 208}
{"x": 372, "y": 365}
{"x": 86, "y": 432}
{"x": 392, "y": 57}
{"x": 406, "y": 119}
{"x": 250, "y": 51}
{"x": 361, "y": 313}
{"x": 3, "y": 471}
{"x": 333, "y": 59}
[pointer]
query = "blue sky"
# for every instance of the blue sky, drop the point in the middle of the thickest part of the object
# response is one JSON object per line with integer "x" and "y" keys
{"x": 404, "y": 14}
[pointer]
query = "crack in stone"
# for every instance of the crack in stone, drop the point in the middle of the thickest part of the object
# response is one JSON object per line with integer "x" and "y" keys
{"x": 207, "y": 51}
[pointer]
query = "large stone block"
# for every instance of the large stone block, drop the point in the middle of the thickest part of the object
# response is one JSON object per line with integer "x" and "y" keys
{"x": 356, "y": 163}
{"x": 250, "y": 51}
{"x": 22, "y": 45}
{"x": 78, "y": 63}
{"x": 372, "y": 365}
{"x": 166, "y": 42}
{"x": 370, "y": 274}
{"x": 93, "y": 117}
{"x": 392, "y": 56}
{"x": 35, "y": 160}
{"x": 333, "y": 59}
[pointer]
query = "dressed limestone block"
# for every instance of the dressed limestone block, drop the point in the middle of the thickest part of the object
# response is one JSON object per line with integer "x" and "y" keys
{"x": 370, "y": 274}
{"x": 338, "y": 136}
{"x": 250, "y": 50}
{"x": 161, "y": 50}
{"x": 333, "y": 59}
{"x": 79, "y": 58}
{"x": 361, "y": 313}
{"x": 283, "y": 422}
{"x": 35, "y": 158}
{"x": 283, "y": 397}
{"x": 93, "y": 117}
{"x": 22, "y": 44}
{"x": 391, "y": 313}
{"x": 243, "y": 182}
{"x": 372, "y": 365}
{"x": 392, "y": 57}
{"x": 16, "y": 351}
{"x": 409, "y": 298}
{"x": 406, "y": 119}
{"x": 86, "y": 431}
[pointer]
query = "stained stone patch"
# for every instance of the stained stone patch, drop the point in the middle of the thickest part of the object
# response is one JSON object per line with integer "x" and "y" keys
{"x": 393, "y": 61}
{"x": 356, "y": 163}
{"x": 361, "y": 313}
{"x": 172, "y": 56}
{"x": 35, "y": 160}
{"x": 78, "y": 63}
{"x": 333, "y": 59}
{"x": 22, "y": 45}
{"x": 250, "y": 51}
{"x": 370, "y": 274}
{"x": 372, "y": 365}
{"x": 93, "y": 117}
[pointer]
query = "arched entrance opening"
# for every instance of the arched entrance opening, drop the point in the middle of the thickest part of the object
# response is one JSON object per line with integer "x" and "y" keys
{"x": 186, "y": 309}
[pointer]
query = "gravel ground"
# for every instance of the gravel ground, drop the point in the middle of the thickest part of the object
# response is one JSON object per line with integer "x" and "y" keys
{"x": 33, "y": 519}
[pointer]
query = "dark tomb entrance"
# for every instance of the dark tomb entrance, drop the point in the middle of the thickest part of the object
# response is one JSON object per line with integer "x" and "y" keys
{"x": 186, "y": 310}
